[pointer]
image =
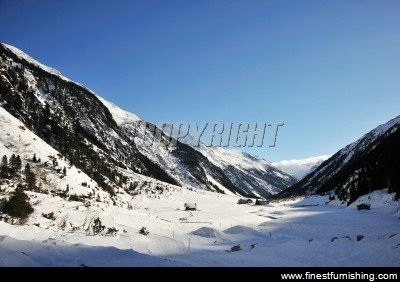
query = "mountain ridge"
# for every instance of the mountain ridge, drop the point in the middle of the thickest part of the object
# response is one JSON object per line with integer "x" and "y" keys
{"x": 370, "y": 163}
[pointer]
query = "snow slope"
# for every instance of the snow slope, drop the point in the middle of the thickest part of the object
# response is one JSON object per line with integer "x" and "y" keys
{"x": 120, "y": 116}
{"x": 15, "y": 138}
{"x": 301, "y": 232}
{"x": 56, "y": 253}
{"x": 300, "y": 168}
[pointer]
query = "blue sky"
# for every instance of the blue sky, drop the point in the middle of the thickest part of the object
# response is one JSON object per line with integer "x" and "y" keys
{"x": 330, "y": 70}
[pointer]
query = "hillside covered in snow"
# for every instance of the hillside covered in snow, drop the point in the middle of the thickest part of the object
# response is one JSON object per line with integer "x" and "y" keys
{"x": 370, "y": 163}
{"x": 102, "y": 139}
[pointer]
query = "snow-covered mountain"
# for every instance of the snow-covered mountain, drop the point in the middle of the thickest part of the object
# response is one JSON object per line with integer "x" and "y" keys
{"x": 101, "y": 139}
{"x": 254, "y": 174}
{"x": 370, "y": 163}
{"x": 302, "y": 167}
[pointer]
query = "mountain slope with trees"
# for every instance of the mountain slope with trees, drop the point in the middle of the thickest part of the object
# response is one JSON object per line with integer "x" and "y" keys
{"x": 371, "y": 163}
{"x": 85, "y": 130}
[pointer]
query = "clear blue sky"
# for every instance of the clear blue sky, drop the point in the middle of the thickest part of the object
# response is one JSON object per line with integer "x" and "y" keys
{"x": 329, "y": 69}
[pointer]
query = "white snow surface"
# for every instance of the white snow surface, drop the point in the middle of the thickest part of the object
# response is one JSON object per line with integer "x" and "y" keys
{"x": 289, "y": 233}
{"x": 302, "y": 167}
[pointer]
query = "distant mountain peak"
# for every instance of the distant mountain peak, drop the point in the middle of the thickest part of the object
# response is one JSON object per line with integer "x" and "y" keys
{"x": 300, "y": 167}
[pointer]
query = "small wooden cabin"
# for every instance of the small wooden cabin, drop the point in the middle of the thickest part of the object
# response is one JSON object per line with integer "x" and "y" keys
{"x": 190, "y": 206}
{"x": 244, "y": 201}
{"x": 363, "y": 207}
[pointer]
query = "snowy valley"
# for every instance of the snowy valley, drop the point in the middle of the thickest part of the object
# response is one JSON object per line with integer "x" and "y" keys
{"x": 302, "y": 232}
{"x": 96, "y": 193}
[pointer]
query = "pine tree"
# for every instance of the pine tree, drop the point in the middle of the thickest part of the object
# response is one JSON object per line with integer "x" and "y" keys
{"x": 46, "y": 111}
{"x": 4, "y": 166}
{"x": 97, "y": 227}
{"x": 27, "y": 170}
{"x": 64, "y": 171}
{"x": 18, "y": 163}
{"x": 18, "y": 204}
{"x": 12, "y": 164}
{"x": 30, "y": 178}
{"x": 4, "y": 162}
{"x": 34, "y": 158}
